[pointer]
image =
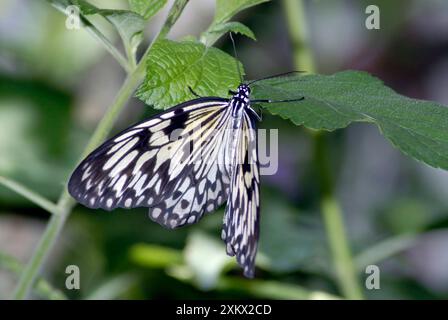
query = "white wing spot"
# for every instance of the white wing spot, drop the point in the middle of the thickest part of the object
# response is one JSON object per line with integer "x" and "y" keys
{"x": 156, "y": 213}
{"x": 117, "y": 146}
{"x": 143, "y": 159}
{"x": 157, "y": 186}
{"x": 140, "y": 200}
{"x": 120, "y": 153}
{"x": 126, "y": 135}
{"x": 202, "y": 186}
{"x": 148, "y": 123}
{"x": 167, "y": 115}
{"x": 191, "y": 219}
{"x": 184, "y": 185}
{"x": 86, "y": 173}
{"x": 123, "y": 163}
{"x": 160, "y": 126}
{"x": 139, "y": 185}
{"x": 120, "y": 184}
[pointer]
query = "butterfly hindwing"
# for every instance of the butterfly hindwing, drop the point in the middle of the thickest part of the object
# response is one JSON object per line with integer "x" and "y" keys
{"x": 241, "y": 220}
{"x": 143, "y": 166}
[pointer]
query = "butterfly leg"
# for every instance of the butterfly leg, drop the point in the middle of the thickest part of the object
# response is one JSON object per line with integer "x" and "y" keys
{"x": 258, "y": 116}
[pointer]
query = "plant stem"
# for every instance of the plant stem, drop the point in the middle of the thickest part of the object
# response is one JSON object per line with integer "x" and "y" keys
{"x": 331, "y": 210}
{"x": 385, "y": 249}
{"x": 345, "y": 270}
{"x": 299, "y": 35}
{"x": 42, "y": 287}
{"x": 98, "y": 35}
{"x": 30, "y": 195}
{"x": 66, "y": 203}
{"x": 332, "y": 216}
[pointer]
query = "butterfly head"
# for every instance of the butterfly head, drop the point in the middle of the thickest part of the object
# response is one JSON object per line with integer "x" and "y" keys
{"x": 243, "y": 91}
{"x": 240, "y": 100}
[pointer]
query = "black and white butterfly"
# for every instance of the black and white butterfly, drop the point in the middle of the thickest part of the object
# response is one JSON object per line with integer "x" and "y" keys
{"x": 181, "y": 164}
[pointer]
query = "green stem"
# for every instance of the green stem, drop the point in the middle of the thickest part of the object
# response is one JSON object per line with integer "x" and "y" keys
{"x": 345, "y": 270}
{"x": 333, "y": 220}
{"x": 385, "y": 249}
{"x": 98, "y": 35}
{"x": 42, "y": 287}
{"x": 66, "y": 203}
{"x": 299, "y": 35}
{"x": 331, "y": 210}
{"x": 30, "y": 195}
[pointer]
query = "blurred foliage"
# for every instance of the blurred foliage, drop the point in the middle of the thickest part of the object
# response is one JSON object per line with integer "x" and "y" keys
{"x": 37, "y": 116}
{"x": 42, "y": 288}
{"x": 390, "y": 203}
{"x": 146, "y": 8}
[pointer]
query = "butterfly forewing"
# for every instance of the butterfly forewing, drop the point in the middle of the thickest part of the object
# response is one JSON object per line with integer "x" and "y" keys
{"x": 144, "y": 166}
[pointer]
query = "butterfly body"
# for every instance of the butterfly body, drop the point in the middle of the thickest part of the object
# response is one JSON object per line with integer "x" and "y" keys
{"x": 181, "y": 164}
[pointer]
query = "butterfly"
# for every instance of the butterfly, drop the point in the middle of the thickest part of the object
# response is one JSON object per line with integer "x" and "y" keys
{"x": 183, "y": 163}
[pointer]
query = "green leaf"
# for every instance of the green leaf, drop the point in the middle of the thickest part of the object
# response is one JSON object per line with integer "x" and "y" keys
{"x": 217, "y": 31}
{"x": 130, "y": 27}
{"x": 233, "y": 26}
{"x": 226, "y": 9}
{"x": 146, "y": 8}
{"x": 418, "y": 128}
{"x": 173, "y": 67}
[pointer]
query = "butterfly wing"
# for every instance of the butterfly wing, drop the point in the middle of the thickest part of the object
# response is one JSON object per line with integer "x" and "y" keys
{"x": 159, "y": 163}
{"x": 241, "y": 219}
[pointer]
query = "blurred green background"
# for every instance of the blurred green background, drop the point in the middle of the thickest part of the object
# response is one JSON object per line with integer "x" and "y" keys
{"x": 55, "y": 85}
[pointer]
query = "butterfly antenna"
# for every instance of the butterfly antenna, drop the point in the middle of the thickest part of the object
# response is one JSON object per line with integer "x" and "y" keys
{"x": 276, "y": 75}
{"x": 236, "y": 57}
